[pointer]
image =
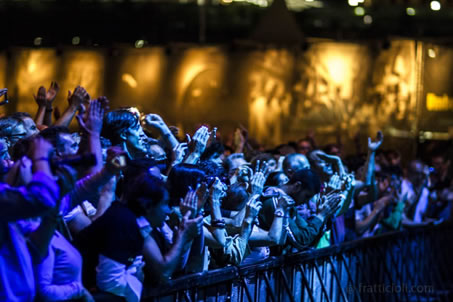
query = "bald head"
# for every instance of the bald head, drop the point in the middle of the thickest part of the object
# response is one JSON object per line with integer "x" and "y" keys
{"x": 295, "y": 162}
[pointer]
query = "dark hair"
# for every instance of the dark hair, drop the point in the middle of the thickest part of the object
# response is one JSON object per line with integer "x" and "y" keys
{"x": 21, "y": 148}
{"x": 115, "y": 122}
{"x": 211, "y": 169}
{"x": 145, "y": 192}
{"x": 7, "y": 124}
{"x": 262, "y": 157}
{"x": 236, "y": 197}
{"x": 273, "y": 179}
{"x": 179, "y": 180}
{"x": 215, "y": 148}
{"x": 52, "y": 134}
{"x": 309, "y": 180}
{"x": 21, "y": 115}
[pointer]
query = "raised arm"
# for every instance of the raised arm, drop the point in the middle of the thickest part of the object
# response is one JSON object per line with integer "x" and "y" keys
{"x": 164, "y": 265}
{"x": 76, "y": 100}
{"x": 38, "y": 196}
{"x": 156, "y": 122}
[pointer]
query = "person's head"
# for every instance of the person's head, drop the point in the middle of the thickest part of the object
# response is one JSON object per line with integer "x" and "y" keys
{"x": 122, "y": 127}
{"x": 415, "y": 172}
{"x": 215, "y": 153}
{"x": 62, "y": 140}
{"x": 333, "y": 149}
{"x": 286, "y": 149}
{"x": 182, "y": 177}
{"x": 276, "y": 179}
{"x": 29, "y": 123}
{"x": 440, "y": 163}
{"x": 322, "y": 167}
{"x": 294, "y": 162}
{"x": 12, "y": 130}
{"x": 304, "y": 146}
{"x": 393, "y": 158}
{"x": 157, "y": 152}
{"x": 303, "y": 185}
{"x": 236, "y": 197}
{"x": 265, "y": 158}
{"x": 149, "y": 198}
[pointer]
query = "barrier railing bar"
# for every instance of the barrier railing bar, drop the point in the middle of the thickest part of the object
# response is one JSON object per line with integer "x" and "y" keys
{"x": 356, "y": 292}
{"x": 386, "y": 270}
{"x": 424, "y": 268}
{"x": 269, "y": 287}
{"x": 323, "y": 287}
{"x": 433, "y": 269}
{"x": 285, "y": 285}
{"x": 413, "y": 276}
{"x": 305, "y": 282}
{"x": 359, "y": 264}
{"x": 394, "y": 264}
{"x": 186, "y": 295}
{"x": 334, "y": 271}
{"x": 246, "y": 289}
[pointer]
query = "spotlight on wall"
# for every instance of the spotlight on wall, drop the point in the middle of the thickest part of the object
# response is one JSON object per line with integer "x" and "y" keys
{"x": 431, "y": 53}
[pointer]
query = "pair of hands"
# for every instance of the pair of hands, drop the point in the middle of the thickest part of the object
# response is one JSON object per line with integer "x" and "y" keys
{"x": 196, "y": 198}
{"x": 46, "y": 98}
{"x": 257, "y": 181}
{"x": 91, "y": 121}
{"x": 329, "y": 204}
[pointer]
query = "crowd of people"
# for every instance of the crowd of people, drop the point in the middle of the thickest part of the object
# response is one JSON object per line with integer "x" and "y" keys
{"x": 127, "y": 201}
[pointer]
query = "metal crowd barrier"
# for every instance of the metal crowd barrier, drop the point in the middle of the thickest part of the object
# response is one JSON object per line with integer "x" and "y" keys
{"x": 413, "y": 265}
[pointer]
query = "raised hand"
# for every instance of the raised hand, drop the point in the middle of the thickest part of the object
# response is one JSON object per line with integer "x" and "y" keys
{"x": 329, "y": 204}
{"x": 40, "y": 98}
{"x": 253, "y": 208}
{"x": 3, "y": 91}
{"x": 79, "y": 98}
{"x": 191, "y": 228}
{"x": 285, "y": 202}
{"x": 334, "y": 183}
{"x": 189, "y": 204}
{"x": 52, "y": 94}
{"x": 155, "y": 121}
{"x": 199, "y": 140}
{"x": 92, "y": 123}
{"x": 258, "y": 179}
{"x": 217, "y": 190}
{"x": 178, "y": 153}
{"x": 373, "y": 146}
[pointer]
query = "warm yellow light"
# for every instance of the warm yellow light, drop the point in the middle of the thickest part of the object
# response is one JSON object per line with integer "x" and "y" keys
{"x": 196, "y": 92}
{"x": 435, "y": 5}
{"x": 359, "y": 11}
{"x": 438, "y": 103}
{"x": 410, "y": 11}
{"x": 353, "y": 2}
{"x": 227, "y": 1}
{"x": 431, "y": 53}
{"x": 129, "y": 80}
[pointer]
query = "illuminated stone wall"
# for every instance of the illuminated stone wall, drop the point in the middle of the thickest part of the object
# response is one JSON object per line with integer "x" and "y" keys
{"x": 332, "y": 88}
